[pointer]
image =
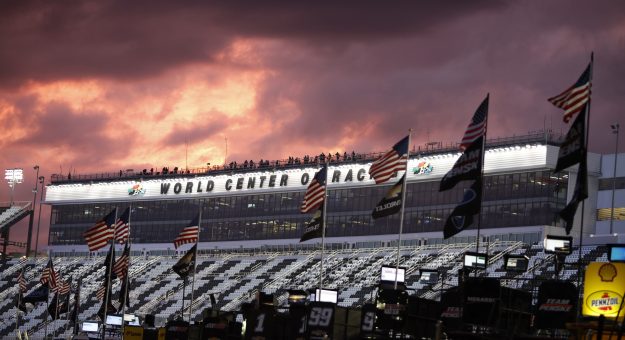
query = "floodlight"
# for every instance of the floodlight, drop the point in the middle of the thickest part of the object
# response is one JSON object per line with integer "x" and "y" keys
{"x": 297, "y": 296}
{"x": 326, "y": 295}
{"x": 428, "y": 275}
{"x": 114, "y": 320}
{"x": 560, "y": 245}
{"x": 387, "y": 274}
{"x": 90, "y": 326}
{"x": 517, "y": 263}
{"x": 13, "y": 176}
{"x": 475, "y": 260}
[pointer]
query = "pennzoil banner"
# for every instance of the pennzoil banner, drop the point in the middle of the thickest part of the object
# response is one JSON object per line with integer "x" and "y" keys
{"x": 604, "y": 285}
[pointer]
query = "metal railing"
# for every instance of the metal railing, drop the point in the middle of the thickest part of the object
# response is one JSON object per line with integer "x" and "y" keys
{"x": 543, "y": 137}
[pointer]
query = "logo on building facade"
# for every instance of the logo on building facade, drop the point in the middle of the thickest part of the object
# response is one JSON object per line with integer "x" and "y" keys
{"x": 136, "y": 190}
{"x": 423, "y": 168}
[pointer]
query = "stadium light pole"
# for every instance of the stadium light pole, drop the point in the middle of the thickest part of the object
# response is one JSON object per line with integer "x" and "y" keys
{"x": 13, "y": 176}
{"x": 615, "y": 128}
{"x": 32, "y": 215}
{"x": 41, "y": 181}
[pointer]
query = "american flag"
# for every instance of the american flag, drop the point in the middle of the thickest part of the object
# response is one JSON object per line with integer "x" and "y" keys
{"x": 49, "y": 276}
{"x": 189, "y": 234}
{"x": 21, "y": 281}
{"x": 313, "y": 198}
{"x": 98, "y": 236}
{"x": 101, "y": 291}
{"x": 477, "y": 127}
{"x": 64, "y": 287}
{"x": 394, "y": 160}
{"x": 574, "y": 99}
{"x": 122, "y": 227}
{"x": 121, "y": 265}
{"x": 109, "y": 263}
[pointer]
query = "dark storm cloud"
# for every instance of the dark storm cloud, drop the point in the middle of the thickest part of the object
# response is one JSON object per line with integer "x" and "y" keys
{"x": 45, "y": 40}
{"x": 340, "y": 96}
{"x": 79, "y": 138}
{"x": 67, "y": 40}
{"x": 343, "y": 65}
{"x": 196, "y": 131}
{"x": 521, "y": 54}
{"x": 331, "y": 22}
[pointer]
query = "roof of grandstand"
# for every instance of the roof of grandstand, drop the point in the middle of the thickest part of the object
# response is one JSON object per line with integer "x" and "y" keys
{"x": 543, "y": 137}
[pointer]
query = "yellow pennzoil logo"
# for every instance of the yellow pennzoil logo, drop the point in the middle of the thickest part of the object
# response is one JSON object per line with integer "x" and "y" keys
{"x": 604, "y": 302}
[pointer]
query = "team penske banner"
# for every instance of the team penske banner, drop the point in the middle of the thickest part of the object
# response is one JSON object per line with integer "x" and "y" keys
{"x": 429, "y": 168}
{"x": 604, "y": 285}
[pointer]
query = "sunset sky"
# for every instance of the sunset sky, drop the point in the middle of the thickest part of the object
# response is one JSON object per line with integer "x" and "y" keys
{"x": 95, "y": 86}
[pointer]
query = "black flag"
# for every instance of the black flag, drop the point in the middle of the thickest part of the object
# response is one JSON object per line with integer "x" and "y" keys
{"x": 213, "y": 301}
{"x": 467, "y": 167}
{"x": 52, "y": 307}
{"x": 108, "y": 264}
{"x": 20, "y": 303}
{"x": 110, "y": 309}
{"x": 58, "y": 306}
{"x": 105, "y": 292}
{"x": 123, "y": 291}
{"x": 391, "y": 203}
{"x": 185, "y": 265}
{"x": 580, "y": 194}
{"x": 74, "y": 316}
{"x": 313, "y": 228}
{"x": 38, "y": 295}
{"x": 462, "y": 216}
{"x": 572, "y": 149}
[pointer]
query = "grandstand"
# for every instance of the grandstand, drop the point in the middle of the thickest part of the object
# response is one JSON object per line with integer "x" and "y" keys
{"x": 251, "y": 224}
{"x": 234, "y": 277}
{"x": 249, "y": 207}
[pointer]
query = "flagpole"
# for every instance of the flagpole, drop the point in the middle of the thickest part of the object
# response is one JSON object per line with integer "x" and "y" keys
{"x": 126, "y": 278}
{"x": 184, "y": 288}
{"x": 199, "y": 222}
{"x": 47, "y": 303}
{"x": 584, "y": 162}
{"x": 323, "y": 225}
{"x": 125, "y": 295}
{"x": 76, "y": 305}
{"x": 47, "y": 314}
{"x": 403, "y": 205}
{"x": 17, "y": 313}
{"x": 56, "y": 304}
{"x": 483, "y": 155}
{"x": 67, "y": 303}
{"x": 19, "y": 303}
{"x": 108, "y": 278}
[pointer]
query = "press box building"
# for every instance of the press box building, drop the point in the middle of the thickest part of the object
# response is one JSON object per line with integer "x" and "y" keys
{"x": 259, "y": 206}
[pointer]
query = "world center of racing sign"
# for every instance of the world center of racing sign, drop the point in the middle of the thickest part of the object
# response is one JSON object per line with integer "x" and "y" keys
{"x": 268, "y": 180}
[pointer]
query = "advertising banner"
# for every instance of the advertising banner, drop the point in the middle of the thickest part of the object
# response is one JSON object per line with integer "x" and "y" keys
{"x": 604, "y": 286}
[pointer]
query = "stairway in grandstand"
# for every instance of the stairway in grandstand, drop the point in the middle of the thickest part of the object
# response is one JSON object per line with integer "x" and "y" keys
{"x": 10, "y": 214}
{"x": 233, "y": 278}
